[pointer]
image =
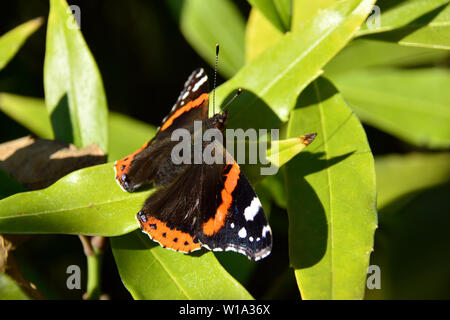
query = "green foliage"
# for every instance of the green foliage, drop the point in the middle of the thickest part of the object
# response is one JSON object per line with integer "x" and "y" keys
{"x": 328, "y": 191}
{"x": 410, "y": 104}
{"x": 206, "y": 23}
{"x": 172, "y": 275}
{"x": 329, "y": 186}
{"x": 10, "y": 290}
{"x": 74, "y": 92}
{"x": 12, "y": 41}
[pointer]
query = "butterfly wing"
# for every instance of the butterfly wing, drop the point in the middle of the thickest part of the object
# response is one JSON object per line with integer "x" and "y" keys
{"x": 237, "y": 222}
{"x": 208, "y": 205}
{"x": 170, "y": 215}
{"x": 143, "y": 165}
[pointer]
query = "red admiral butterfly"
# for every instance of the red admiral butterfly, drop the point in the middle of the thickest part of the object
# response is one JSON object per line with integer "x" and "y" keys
{"x": 209, "y": 205}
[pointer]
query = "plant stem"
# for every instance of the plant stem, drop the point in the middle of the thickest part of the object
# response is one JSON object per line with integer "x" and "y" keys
{"x": 94, "y": 262}
{"x": 93, "y": 249}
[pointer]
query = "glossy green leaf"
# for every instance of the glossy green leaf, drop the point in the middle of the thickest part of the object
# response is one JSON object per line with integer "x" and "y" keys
{"x": 152, "y": 272}
{"x": 331, "y": 194}
{"x": 29, "y": 112}
{"x": 87, "y": 201}
{"x": 396, "y": 14}
{"x": 411, "y": 248}
{"x": 269, "y": 9}
{"x": 206, "y": 23}
{"x": 381, "y": 54}
{"x": 73, "y": 86}
{"x": 13, "y": 40}
{"x": 9, "y": 290}
{"x": 410, "y": 104}
{"x": 400, "y": 175}
{"x": 273, "y": 80}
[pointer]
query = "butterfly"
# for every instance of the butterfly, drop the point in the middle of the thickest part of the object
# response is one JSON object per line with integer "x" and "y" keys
{"x": 195, "y": 205}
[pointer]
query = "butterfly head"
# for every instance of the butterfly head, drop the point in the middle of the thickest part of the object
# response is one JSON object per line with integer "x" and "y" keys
{"x": 218, "y": 120}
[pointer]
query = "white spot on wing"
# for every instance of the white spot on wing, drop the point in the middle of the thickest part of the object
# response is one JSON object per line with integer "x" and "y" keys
{"x": 242, "y": 233}
{"x": 251, "y": 211}
{"x": 265, "y": 230}
{"x": 199, "y": 83}
{"x": 199, "y": 74}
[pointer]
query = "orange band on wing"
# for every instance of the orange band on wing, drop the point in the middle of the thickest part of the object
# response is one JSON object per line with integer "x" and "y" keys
{"x": 192, "y": 104}
{"x": 169, "y": 238}
{"x": 123, "y": 164}
{"x": 213, "y": 225}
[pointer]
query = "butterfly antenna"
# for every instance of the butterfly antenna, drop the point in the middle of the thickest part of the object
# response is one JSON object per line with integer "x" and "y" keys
{"x": 238, "y": 92}
{"x": 215, "y": 78}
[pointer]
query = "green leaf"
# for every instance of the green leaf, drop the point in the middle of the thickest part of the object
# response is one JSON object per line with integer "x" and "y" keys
{"x": 410, "y": 104}
{"x": 303, "y": 10}
{"x": 206, "y": 23}
{"x": 29, "y": 112}
{"x": 260, "y": 34}
{"x": 13, "y": 40}
{"x": 381, "y": 54}
{"x": 269, "y": 9}
{"x": 73, "y": 86}
{"x": 430, "y": 31}
{"x": 87, "y": 201}
{"x": 411, "y": 248}
{"x": 400, "y": 175}
{"x": 152, "y": 272}
{"x": 284, "y": 9}
{"x": 273, "y": 80}
{"x": 331, "y": 194}
{"x": 9, "y": 290}
{"x": 396, "y": 14}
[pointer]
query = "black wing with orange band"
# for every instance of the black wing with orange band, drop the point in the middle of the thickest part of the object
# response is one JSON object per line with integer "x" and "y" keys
{"x": 220, "y": 212}
{"x": 142, "y": 166}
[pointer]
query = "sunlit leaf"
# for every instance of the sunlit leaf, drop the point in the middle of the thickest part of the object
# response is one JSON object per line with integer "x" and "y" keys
{"x": 381, "y": 54}
{"x": 303, "y": 10}
{"x": 273, "y": 80}
{"x": 421, "y": 23}
{"x": 410, "y": 104}
{"x": 152, "y": 272}
{"x": 402, "y": 175}
{"x": 331, "y": 197}
{"x": 396, "y": 14}
{"x": 260, "y": 34}
{"x": 13, "y": 40}
{"x": 87, "y": 201}
{"x": 73, "y": 86}
{"x": 206, "y": 23}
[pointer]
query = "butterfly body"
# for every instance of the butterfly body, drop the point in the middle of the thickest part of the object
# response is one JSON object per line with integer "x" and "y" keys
{"x": 197, "y": 204}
